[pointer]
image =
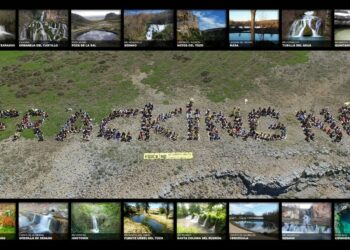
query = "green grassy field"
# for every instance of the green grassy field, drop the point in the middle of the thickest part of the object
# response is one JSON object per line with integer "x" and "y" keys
{"x": 98, "y": 81}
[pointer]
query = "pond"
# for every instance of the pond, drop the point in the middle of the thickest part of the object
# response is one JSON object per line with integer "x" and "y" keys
{"x": 342, "y": 34}
{"x": 97, "y": 35}
{"x": 154, "y": 225}
{"x": 343, "y": 226}
{"x": 258, "y": 226}
{"x": 245, "y": 36}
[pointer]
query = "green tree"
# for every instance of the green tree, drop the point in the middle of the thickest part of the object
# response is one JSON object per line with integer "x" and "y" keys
{"x": 146, "y": 207}
{"x": 194, "y": 208}
{"x": 167, "y": 210}
{"x": 138, "y": 207}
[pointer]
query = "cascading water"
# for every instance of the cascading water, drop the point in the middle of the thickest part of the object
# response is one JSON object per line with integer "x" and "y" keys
{"x": 195, "y": 219}
{"x": 305, "y": 227}
{"x": 44, "y": 224}
{"x": 95, "y": 228}
{"x": 4, "y": 34}
{"x": 23, "y": 221}
{"x": 205, "y": 222}
{"x": 154, "y": 28}
{"x": 307, "y": 26}
{"x": 44, "y": 30}
{"x": 212, "y": 229}
{"x": 2, "y": 29}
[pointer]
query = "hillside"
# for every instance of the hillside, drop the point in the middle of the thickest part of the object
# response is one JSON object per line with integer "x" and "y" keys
{"x": 100, "y": 81}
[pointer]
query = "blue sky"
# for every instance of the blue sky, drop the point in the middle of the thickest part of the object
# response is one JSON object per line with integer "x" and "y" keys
{"x": 135, "y": 12}
{"x": 210, "y": 19}
{"x": 257, "y": 208}
{"x": 153, "y": 205}
{"x": 244, "y": 15}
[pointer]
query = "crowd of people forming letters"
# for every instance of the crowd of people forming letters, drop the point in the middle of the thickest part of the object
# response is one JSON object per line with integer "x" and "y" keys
{"x": 81, "y": 121}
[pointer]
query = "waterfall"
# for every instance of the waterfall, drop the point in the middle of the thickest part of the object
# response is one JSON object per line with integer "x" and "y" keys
{"x": 2, "y": 29}
{"x": 23, "y": 221}
{"x": 303, "y": 228}
{"x": 154, "y": 28}
{"x": 37, "y": 30}
{"x": 205, "y": 222}
{"x": 299, "y": 26}
{"x": 306, "y": 220}
{"x": 95, "y": 228}
{"x": 195, "y": 219}
{"x": 42, "y": 16}
{"x": 189, "y": 217}
{"x": 44, "y": 224}
{"x": 212, "y": 229}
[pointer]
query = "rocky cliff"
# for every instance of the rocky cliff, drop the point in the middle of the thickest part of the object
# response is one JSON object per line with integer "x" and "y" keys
{"x": 186, "y": 22}
{"x": 321, "y": 210}
{"x": 342, "y": 17}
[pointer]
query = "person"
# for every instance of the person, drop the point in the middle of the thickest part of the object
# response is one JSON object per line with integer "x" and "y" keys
{"x": 2, "y": 126}
{"x": 16, "y": 136}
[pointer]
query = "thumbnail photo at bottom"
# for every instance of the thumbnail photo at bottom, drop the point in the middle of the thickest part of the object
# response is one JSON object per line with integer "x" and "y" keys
{"x": 342, "y": 221}
{"x": 95, "y": 221}
{"x": 254, "y": 221}
{"x": 148, "y": 220}
{"x": 7, "y": 221}
{"x": 306, "y": 221}
{"x": 201, "y": 220}
{"x": 43, "y": 221}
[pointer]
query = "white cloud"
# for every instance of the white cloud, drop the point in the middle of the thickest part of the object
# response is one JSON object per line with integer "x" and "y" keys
{"x": 207, "y": 22}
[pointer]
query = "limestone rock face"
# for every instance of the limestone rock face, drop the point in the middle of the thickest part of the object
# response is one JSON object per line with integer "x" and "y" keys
{"x": 292, "y": 213}
{"x": 186, "y": 22}
{"x": 321, "y": 210}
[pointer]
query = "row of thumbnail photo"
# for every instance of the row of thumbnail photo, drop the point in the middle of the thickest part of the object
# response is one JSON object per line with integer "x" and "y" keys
{"x": 180, "y": 220}
{"x": 180, "y": 28}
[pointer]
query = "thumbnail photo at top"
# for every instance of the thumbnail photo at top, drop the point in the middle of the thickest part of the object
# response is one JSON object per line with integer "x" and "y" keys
{"x": 174, "y": 124}
{"x": 7, "y": 26}
{"x": 341, "y": 27}
{"x": 148, "y": 28}
{"x": 101, "y": 28}
{"x": 254, "y": 28}
{"x": 307, "y": 28}
{"x": 43, "y": 27}
{"x": 201, "y": 28}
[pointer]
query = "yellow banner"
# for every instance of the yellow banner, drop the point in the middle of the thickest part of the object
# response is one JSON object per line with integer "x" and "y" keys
{"x": 168, "y": 156}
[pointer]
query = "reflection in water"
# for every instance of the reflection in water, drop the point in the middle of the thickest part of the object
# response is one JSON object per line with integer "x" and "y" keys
{"x": 258, "y": 226}
{"x": 154, "y": 225}
{"x": 97, "y": 35}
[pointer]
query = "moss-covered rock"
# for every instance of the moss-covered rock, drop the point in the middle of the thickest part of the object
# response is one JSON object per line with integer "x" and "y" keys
{"x": 307, "y": 31}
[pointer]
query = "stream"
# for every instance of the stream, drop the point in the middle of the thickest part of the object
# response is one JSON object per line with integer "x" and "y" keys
{"x": 154, "y": 225}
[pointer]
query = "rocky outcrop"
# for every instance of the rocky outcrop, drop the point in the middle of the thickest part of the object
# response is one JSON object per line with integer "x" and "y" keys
{"x": 342, "y": 18}
{"x": 253, "y": 186}
{"x": 321, "y": 210}
{"x": 216, "y": 34}
{"x": 186, "y": 22}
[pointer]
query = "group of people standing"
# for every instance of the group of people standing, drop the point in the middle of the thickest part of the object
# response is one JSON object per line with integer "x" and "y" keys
{"x": 26, "y": 123}
{"x": 328, "y": 125}
{"x": 116, "y": 134}
{"x": 71, "y": 126}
